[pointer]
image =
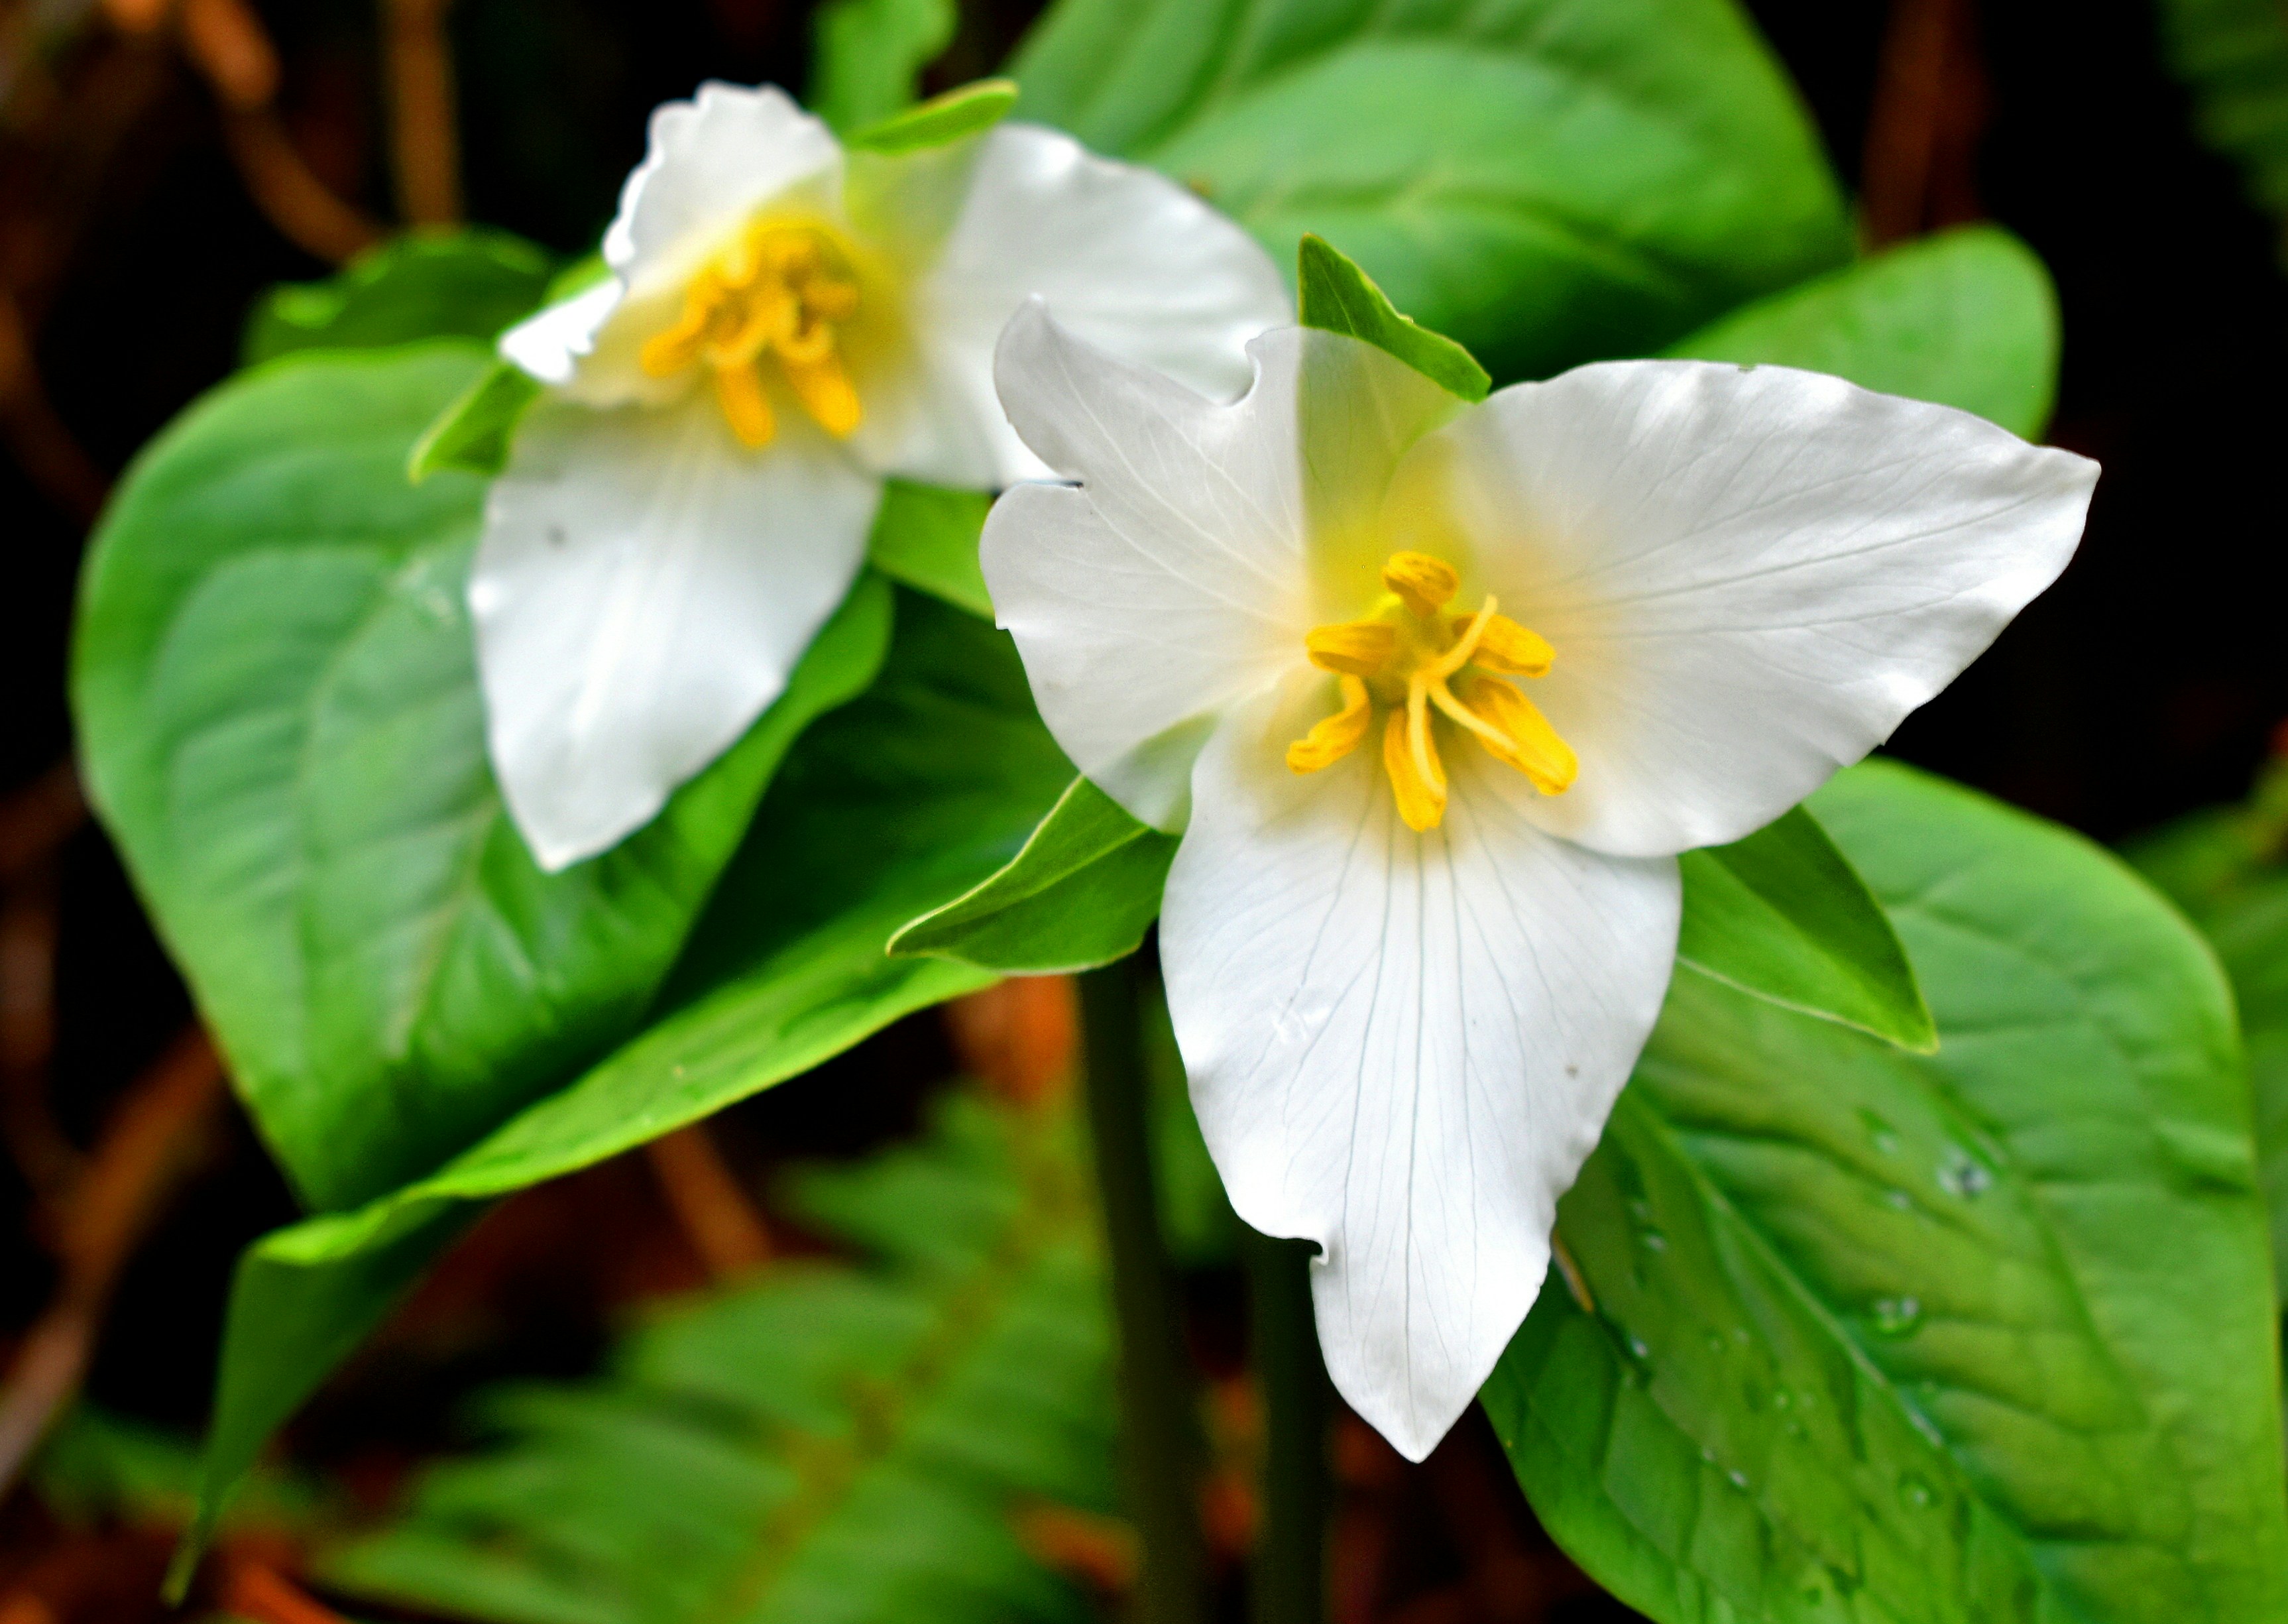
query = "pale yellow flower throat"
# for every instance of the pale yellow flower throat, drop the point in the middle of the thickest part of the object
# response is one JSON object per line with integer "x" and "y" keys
{"x": 1408, "y": 655}
{"x": 779, "y": 293}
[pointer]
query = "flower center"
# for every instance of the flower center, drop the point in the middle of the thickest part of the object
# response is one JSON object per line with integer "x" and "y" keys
{"x": 779, "y": 293}
{"x": 1411, "y": 658}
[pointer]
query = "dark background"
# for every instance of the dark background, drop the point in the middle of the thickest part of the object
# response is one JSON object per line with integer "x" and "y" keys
{"x": 2146, "y": 684}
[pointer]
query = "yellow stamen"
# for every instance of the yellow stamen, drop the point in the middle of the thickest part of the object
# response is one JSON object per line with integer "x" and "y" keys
{"x": 1330, "y": 740}
{"x": 1404, "y": 656}
{"x": 779, "y": 292}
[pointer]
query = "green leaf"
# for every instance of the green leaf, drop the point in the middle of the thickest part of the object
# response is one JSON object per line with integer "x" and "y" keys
{"x": 911, "y": 794}
{"x": 868, "y": 55}
{"x": 833, "y": 1441}
{"x": 1083, "y": 892}
{"x": 1336, "y": 295}
{"x": 941, "y": 119}
{"x": 1982, "y": 1336}
{"x": 277, "y": 699}
{"x": 1967, "y": 319}
{"x": 1783, "y": 916}
{"x": 925, "y": 536}
{"x": 2233, "y": 57}
{"x": 474, "y": 433}
{"x": 2227, "y": 869}
{"x": 468, "y": 285}
{"x": 1547, "y": 181}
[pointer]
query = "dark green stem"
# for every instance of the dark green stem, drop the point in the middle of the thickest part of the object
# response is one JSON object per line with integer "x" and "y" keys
{"x": 1158, "y": 1424}
{"x": 1289, "y": 1579}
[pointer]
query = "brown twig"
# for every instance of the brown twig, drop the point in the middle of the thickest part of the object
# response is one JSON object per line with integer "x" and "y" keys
{"x": 43, "y": 447}
{"x": 225, "y": 42}
{"x": 37, "y": 819}
{"x": 151, "y": 1141}
{"x": 720, "y": 1222}
{"x": 48, "y": 1159}
{"x": 1020, "y": 1035}
{"x": 423, "y": 111}
{"x": 257, "y": 1591}
{"x": 1920, "y": 164}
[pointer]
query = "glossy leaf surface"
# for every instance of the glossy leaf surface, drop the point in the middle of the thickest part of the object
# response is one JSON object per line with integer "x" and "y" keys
{"x": 1982, "y": 1336}
{"x": 427, "y": 284}
{"x": 275, "y": 687}
{"x": 905, "y": 799}
{"x": 1547, "y": 182}
{"x": 1967, "y": 319}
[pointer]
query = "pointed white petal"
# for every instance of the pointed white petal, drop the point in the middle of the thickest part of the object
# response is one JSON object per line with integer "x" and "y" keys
{"x": 644, "y": 587}
{"x": 1402, "y": 1047}
{"x": 550, "y": 344}
{"x": 1749, "y": 576}
{"x": 1174, "y": 581}
{"x": 712, "y": 161}
{"x": 1127, "y": 258}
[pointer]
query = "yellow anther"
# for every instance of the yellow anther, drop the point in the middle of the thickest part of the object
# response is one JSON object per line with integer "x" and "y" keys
{"x": 1330, "y": 740}
{"x": 1426, "y": 583}
{"x": 1411, "y": 658}
{"x": 1362, "y": 648}
{"x": 1508, "y": 647}
{"x": 1421, "y": 795}
{"x": 779, "y": 292}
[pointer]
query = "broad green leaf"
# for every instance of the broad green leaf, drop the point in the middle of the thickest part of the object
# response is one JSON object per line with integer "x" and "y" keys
{"x": 2227, "y": 869}
{"x": 474, "y": 433}
{"x": 1547, "y": 181}
{"x": 468, "y": 285}
{"x": 925, "y": 536}
{"x": 1334, "y": 295}
{"x": 906, "y": 797}
{"x": 1782, "y": 916}
{"x": 1083, "y": 892}
{"x": 1967, "y": 319}
{"x": 834, "y": 1441}
{"x": 941, "y": 119}
{"x": 2233, "y": 57}
{"x": 868, "y": 55}
{"x": 1982, "y": 1336}
{"x": 277, "y": 700}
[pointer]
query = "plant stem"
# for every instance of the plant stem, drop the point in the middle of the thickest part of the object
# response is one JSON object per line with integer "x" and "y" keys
{"x": 1289, "y": 1576}
{"x": 1159, "y": 1426}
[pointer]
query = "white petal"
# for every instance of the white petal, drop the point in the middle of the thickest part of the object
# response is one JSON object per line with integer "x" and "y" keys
{"x": 1174, "y": 581}
{"x": 712, "y": 161}
{"x": 1749, "y": 576}
{"x": 1127, "y": 258}
{"x": 644, "y": 587}
{"x": 1402, "y": 1047}
{"x": 550, "y": 344}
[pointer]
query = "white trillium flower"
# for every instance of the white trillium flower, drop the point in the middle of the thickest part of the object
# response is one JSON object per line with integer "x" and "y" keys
{"x": 787, "y": 325}
{"x": 1435, "y": 694}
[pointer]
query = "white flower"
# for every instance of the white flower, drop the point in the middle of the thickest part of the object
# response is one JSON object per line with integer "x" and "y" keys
{"x": 787, "y": 325}
{"x": 1420, "y": 923}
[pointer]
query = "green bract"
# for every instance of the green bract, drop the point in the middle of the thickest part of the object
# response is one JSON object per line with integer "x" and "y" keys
{"x": 428, "y": 285}
{"x": 1985, "y": 1335}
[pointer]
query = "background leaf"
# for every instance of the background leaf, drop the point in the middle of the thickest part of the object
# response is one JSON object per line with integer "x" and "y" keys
{"x": 830, "y": 1442}
{"x": 1782, "y": 916}
{"x": 275, "y": 687}
{"x": 910, "y": 795}
{"x": 1331, "y": 293}
{"x": 1966, "y": 319}
{"x": 1545, "y": 181}
{"x": 2233, "y": 57}
{"x": 427, "y": 284}
{"x": 2227, "y": 869}
{"x": 925, "y": 536}
{"x": 1981, "y": 1335}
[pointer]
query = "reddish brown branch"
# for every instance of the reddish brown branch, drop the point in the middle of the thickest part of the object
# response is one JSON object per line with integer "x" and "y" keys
{"x": 153, "y": 1140}
{"x": 422, "y": 112}
{"x": 717, "y": 1218}
{"x": 1919, "y": 165}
